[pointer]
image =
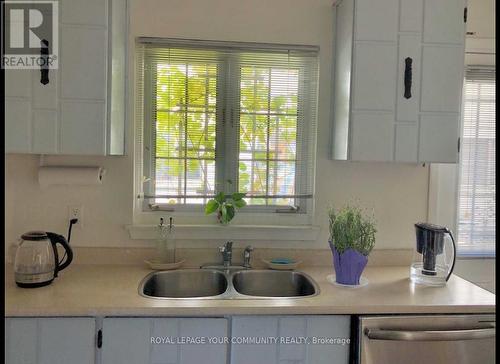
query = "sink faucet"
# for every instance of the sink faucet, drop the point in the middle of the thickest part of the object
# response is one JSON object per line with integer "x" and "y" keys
{"x": 227, "y": 253}
{"x": 246, "y": 256}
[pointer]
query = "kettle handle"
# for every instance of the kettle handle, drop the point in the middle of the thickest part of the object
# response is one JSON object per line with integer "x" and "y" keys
{"x": 59, "y": 239}
{"x": 454, "y": 254}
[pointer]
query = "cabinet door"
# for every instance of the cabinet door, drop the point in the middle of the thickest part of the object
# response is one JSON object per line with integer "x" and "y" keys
{"x": 411, "y": 14}
{"x": 158, "y": 340}
{"x": 83, "y": 109}
{"x": 45, "y": 131}
{"x": 444, "y": 21}
{"x": 442, "y": 79}
{"x": 372, "y": 137}
{"x": 21, "y": 336}
{"x": 17, "y": 125}
{"x": 83, "y": 63}
{"x": 84, "y": 71}
{"x": 69, "y": 114}
{"x": 439, "y": 138}
{"x": 406, "y": 142}
{"x": 17, "y": 111}
{"x": 45, "y": 116}
{"x": 86, "y": 13}
{"x": 50, "y": 340}
{"x": 374, "y": 83}
{"x": 18, "y": 83}
{"x": 82, "y": 127}
{"x": 376, "y": 20}
{"x": 291, "y": 339}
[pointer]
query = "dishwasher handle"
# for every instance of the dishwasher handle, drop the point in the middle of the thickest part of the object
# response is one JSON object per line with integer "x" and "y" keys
{"x": 431, "y": 335}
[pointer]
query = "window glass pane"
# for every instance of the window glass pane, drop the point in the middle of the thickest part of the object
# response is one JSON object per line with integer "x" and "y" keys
{"x": 185, "y": 131}
{"x": 268, "y": 134}
{"x": 476, "y": 206}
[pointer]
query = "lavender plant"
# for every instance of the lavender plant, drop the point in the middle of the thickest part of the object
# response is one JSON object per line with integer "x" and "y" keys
{"x": 350, "y": 229}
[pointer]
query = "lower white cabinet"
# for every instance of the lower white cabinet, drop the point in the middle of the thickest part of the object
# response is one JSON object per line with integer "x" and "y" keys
{"x": 330, "y": 332}
{"x": 157, "y": 340}
{"x": 295, "y": 339}
{"x": 50, "y": 340}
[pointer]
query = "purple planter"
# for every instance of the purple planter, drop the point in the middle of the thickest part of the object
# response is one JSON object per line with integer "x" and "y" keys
{"x": 348, "y": 266}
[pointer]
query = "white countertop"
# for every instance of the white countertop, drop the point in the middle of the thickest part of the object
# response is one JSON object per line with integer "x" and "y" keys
{"x": 112, "y": 290}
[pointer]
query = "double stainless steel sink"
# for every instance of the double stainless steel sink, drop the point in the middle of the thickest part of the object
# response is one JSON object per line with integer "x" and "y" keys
{"x": 227, "y": 284}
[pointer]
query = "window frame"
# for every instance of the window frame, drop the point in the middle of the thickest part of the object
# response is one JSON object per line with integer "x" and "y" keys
{"x": 227, "y": 133}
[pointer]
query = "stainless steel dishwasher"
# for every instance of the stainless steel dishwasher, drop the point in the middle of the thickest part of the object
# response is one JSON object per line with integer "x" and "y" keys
{"x": 429, "y": 339}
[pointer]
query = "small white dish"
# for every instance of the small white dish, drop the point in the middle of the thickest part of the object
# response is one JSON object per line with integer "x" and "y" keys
{"x": 362, "y": 282}
{"x": 282, "y": 266}
{"x": 156, "y": 265}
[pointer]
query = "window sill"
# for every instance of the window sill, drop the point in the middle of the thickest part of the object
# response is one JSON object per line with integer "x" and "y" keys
{"x": 240, "y": 232}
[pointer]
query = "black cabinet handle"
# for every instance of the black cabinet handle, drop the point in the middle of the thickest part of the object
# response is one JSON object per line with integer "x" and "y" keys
{"x": 408, "y": 77}
{"x": 99, "y": 339}
{"x": 44, "y": 62}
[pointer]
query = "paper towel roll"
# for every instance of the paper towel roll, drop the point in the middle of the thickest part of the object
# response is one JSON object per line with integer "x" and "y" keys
{"x": 70, "y": 176}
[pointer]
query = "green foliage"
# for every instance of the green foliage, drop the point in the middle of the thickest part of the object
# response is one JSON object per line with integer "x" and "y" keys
{"x": 211, "y": 206}
{"x": 349, "y": 229}
{"x": 186, "y": 101}
{"x": 225, "y": 205}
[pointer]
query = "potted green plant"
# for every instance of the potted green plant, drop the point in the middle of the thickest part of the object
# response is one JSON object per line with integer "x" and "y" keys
{"x": 352, "y": 238}
{"x": 225, "y": 205}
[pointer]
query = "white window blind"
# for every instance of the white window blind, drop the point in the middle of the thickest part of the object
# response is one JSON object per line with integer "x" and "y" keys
{"x": 214, "y": 112}
{"x": 476, "y": 202}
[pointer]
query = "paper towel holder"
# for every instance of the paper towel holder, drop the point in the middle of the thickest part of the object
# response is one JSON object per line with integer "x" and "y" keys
{"x": 70, "y": 175}
{"x": 41, "y": 163}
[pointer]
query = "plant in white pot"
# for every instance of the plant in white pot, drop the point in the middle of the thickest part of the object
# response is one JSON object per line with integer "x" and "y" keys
{"x": 352, "y": 238}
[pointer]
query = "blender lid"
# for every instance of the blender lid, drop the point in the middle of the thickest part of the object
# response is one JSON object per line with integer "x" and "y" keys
{"x": 35, "y": 236}
{"x": 431, "y": 227}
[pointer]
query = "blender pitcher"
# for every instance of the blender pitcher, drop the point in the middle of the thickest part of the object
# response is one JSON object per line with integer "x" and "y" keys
{"x": 434, "y": 255}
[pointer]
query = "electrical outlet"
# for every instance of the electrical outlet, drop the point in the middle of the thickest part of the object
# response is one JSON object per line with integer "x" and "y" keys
{"x": 76, "y": 212}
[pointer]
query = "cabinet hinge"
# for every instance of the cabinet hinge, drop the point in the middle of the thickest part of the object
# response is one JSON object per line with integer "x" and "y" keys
{"x": 99, "y": 339}
{"x": 458, "y": 145}
{"x": 465, "y": 15}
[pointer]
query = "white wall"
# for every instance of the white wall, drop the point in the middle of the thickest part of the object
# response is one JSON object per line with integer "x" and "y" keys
{"x": 397, "y": 192}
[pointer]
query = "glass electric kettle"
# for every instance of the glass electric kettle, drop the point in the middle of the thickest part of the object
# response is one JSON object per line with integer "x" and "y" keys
{"x": 37, "y": 261}
{"x": 434, "y": 255}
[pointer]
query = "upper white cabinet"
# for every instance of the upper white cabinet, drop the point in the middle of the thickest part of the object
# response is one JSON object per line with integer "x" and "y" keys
{"x": 160, "y": 340}
{"x": 81, "y": 109}
{"x": 50, "y": 340}
{"x": 314, "y": 329}
{"x": 376, "y": 22}
{"x": 398, "y": 77}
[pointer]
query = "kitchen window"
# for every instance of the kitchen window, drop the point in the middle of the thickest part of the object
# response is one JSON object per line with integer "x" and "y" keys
{"x": 476, "y": 201}
{"x": 224, "y": 116}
